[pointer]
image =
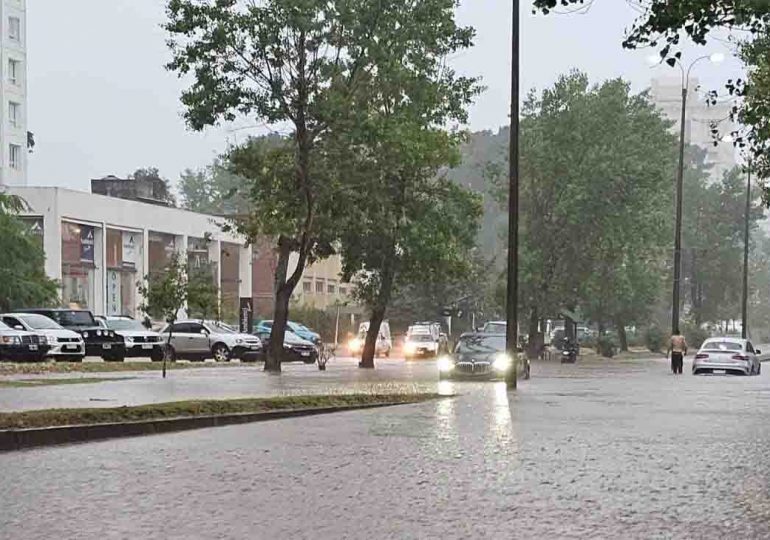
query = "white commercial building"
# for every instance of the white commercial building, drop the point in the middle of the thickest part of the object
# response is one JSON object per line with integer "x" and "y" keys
{"x": 100, "y": 247}
{"x": 666, "y": 94}
{"x": 13, "y": 93}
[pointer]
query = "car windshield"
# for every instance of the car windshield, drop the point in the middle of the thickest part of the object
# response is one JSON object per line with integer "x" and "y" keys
{"x": 722, "y": 346}
{"x": 74, "y": 318}
{"x": 40, "y": 322}
{"x": 220, "y": 328}
{"x": 481, "y": 344}
{"x": 125, "y": 324}
{"x": 495, "y": 327}
{"x": 4, "y": 326}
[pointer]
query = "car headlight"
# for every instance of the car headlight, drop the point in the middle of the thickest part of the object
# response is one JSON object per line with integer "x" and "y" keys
{"x": 355, "y": 344}
{"x": 43, "y": 340}
{"x": 85, "y": 334}
{"x": 502, "y": 363}
{"x": 445, "y": 364}
{"x": 410, "y": 348}
{"x": 128, "y": 339}
{"x": 11, "y": 340}
{"x": 239, "y": 340}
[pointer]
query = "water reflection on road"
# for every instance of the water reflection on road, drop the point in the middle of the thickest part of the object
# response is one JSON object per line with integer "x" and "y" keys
{"x": 622, "y": 450}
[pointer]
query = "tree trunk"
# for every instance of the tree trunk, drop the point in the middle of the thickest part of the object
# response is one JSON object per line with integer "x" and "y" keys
{"x": 283, "y": 292}
{"x": 370, "y": 346}
{"x": 622, "y": 337}
{"x": 601, "y": 333}
{"x": 378, "y": 312}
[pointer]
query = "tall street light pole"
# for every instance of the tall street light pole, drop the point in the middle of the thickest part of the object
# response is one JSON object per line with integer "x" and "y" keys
{"x": 675, "y": 300}
{"x": 512, "y": 329}
{"x": 745, "y": 299}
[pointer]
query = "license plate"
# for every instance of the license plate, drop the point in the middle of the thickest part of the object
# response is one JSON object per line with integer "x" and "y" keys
{"x": 106, "y": 346}
{"x": 70, "y": 347}
{"x": 147, "y": 346}
{"x": 718, "y": 372}
{"x": 253, "y": 346}
{"x": 33, "y": 347}
{"x": 305, "y": 353}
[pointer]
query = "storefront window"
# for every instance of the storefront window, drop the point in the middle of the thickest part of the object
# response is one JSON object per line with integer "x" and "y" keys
{"x": 78, "y": 267}
{"x": 162, "y": 247}
{"x": 230, "y": 281}
{"x": 124, "y": 251}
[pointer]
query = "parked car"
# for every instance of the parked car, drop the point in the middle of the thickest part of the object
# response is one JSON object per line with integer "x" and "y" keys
{"x": 727, "y": 355}
{"x": 140, "y": 342}
{"x": 299, "y": 329}
{"x": 21, "y": 345}
{"x": 295, "y": 348}
{"x": 480, "y": 355}
{"x": 99, "y": 341}
{"x": 198, "y": 340}
{"x": 495, "y": 327}
{"x": 64, "y": 345}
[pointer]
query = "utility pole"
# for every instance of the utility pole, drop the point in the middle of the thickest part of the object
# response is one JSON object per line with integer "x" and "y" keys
{"x": 745, "y": 299}
{"x": 512, "y": 337}
{"x": 678, "y": 232}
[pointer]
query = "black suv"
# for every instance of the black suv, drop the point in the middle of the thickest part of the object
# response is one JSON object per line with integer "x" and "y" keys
{"x": 99, "y": 341}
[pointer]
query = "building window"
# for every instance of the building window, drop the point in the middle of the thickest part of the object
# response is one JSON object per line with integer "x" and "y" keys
{"x": 14, "y": 29}
{"x": 307, "y": 287}
{"x": 14, "y": 69}
{"x": 343, "y": 291}
{"x": 331, "y": 288}
{"x": 14, "y": 113}
{"x": 319, "y": 287}
{"x": 15, "y": 156}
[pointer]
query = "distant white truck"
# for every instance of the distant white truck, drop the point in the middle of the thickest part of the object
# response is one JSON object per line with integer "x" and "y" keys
{"x": 424, "y": 339}
{"x": 384, "y": 342}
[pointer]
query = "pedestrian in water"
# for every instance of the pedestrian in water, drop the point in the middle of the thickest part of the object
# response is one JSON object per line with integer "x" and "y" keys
{"x": 677, "y": 348}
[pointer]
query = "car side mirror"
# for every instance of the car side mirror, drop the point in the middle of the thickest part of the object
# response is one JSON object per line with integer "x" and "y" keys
{"x": 18, "y": 327}
{"x": 203, "y": 331}
{"x": 757, "y": 351}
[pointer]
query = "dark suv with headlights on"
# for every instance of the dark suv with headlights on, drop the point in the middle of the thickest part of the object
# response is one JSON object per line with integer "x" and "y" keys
{"x": 480, "y": 356}
{"x": 99, "y": 341}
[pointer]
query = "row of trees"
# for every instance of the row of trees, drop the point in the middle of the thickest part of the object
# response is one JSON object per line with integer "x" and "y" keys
{"x": 369, "y": 104}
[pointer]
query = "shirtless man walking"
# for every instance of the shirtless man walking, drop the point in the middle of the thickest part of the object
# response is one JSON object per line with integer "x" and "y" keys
{"x": 677, "y": 348}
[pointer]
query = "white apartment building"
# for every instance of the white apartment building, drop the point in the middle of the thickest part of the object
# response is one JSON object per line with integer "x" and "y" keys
{"x": 13, "y": 93}
{"x": 666, "y": 93}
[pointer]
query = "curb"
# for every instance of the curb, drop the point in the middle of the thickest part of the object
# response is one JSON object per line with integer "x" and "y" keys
{"x": 19, "y": 439}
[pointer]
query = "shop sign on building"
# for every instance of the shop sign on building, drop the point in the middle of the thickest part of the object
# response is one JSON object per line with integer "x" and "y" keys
{"x": 131, "y": 250}
{"x": 86, "y": 244}
{"x": 113, "y": 293}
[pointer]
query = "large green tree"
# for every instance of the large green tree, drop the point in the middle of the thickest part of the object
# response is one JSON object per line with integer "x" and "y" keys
{"x": 302, "y": 65}
{"x": 663, "y": 24}
{"x": 596, "y": 165}
{"x": 23, "y": 282}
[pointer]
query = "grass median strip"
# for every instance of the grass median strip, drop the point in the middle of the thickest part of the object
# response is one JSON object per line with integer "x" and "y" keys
{"x": 33, "y": 383}
{"x": 7, "y": 368}
{"x": 186, "y": 409}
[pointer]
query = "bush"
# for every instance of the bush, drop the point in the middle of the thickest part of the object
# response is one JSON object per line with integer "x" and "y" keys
{"x": 606, "y": 346}
{"x": 695, "y": 335}
{"x": 654, "y": 338}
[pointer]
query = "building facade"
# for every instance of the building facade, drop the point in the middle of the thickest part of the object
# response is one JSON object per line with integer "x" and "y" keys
{"x": 321, "y": 286}
{"x": 100, "y": 247}
{"x": 666, "y": 94}
{"x": 13, "y": 93}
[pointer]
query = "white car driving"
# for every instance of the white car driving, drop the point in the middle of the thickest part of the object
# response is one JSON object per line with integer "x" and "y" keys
{"x": 64, "y": 344}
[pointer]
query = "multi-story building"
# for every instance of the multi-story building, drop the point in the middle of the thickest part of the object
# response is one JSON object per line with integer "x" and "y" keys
{"x": 666, "y": 93}
{"x": 13, "y": 93}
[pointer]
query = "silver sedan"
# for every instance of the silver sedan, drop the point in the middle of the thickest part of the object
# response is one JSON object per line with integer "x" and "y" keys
{"x": 727, "y": 355}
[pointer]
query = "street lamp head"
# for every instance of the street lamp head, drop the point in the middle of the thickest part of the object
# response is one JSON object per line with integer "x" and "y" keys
{"x": 717, "y": 58}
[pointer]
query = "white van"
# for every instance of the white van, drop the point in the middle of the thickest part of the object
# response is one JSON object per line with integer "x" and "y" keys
{"x": 384, "y": 342}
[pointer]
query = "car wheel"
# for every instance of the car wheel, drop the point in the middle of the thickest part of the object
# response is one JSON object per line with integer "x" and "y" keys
{"x": 221, "y": 352}
{"x": 759, "y": 369}
{"x": 156, "y": 355}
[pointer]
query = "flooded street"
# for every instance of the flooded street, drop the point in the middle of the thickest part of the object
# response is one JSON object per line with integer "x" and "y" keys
{"x": 594, "y": 450}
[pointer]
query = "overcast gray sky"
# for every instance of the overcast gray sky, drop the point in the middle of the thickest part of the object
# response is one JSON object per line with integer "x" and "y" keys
{"x": 100, "y": 101}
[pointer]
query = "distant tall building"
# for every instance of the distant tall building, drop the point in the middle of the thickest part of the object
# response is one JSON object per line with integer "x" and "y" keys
{"x": 13, "y": 92}
{"x": 667, "y": 95}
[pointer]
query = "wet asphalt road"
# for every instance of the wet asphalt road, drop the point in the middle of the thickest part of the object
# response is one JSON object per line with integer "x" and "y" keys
{"x": 589, "y": 451}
